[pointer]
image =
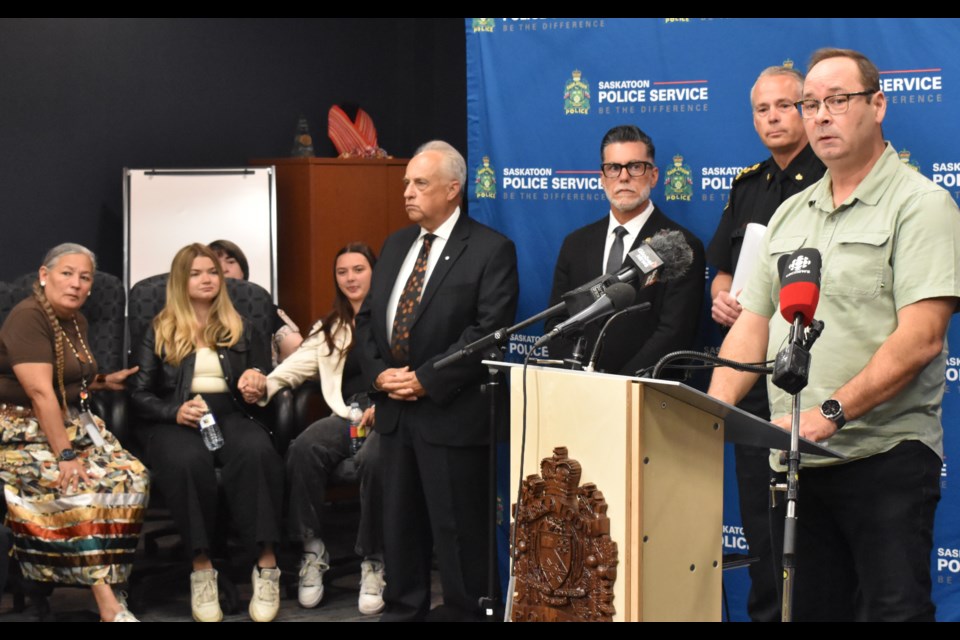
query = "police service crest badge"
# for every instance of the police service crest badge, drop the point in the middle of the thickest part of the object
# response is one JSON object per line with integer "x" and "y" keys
{"x": 576, "y": 95}
{"x": 905, "y": 159}
{"x": 486, "y": 180}
{"x": 679, "y": 182}
{"x": 483, "y": 25}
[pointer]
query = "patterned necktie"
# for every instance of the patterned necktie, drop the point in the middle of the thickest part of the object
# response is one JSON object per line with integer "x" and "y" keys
{"x": 407, "y": 305}
{"x": 615, "y": 259}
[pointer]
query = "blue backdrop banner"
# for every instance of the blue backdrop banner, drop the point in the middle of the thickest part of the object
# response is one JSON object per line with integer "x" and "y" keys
{"x": 541, "y": 92}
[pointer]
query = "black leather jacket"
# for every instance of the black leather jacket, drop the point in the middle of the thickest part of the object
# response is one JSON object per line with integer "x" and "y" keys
{"x": 158, "y": 389}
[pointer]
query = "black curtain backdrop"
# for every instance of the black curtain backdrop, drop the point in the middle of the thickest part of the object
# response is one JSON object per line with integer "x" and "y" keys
{"x": 80, "y": 99}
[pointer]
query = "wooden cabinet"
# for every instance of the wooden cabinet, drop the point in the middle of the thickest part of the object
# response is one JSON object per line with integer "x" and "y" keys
{"x": 322, "y": 204}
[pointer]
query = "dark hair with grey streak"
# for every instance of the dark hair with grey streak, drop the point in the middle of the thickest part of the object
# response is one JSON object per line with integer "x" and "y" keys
{"x": 627, "y": 133}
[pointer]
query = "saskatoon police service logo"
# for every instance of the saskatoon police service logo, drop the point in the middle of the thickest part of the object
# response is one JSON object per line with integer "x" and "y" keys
{"x": 905, "y": 159}
{"x": 486, "y": 180}
{"x": 484, "y": 25}
{"x": 679, "y": 184}
{"x": 576, "y": 95}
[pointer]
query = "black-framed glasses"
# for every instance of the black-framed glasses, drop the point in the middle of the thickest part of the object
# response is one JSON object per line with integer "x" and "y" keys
{"x": 836, "y": 104}
{"x": 634, "y": 169}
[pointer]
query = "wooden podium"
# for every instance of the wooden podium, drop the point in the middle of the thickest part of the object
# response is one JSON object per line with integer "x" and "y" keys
{"x": 655, "y": 450}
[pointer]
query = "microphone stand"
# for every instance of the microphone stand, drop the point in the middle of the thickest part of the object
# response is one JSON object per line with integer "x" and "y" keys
{"x": 575, "y": 361}
{"x": 791, "y": 373}
{"x": 498, "y": 337}
{"x": 492, "y": 347}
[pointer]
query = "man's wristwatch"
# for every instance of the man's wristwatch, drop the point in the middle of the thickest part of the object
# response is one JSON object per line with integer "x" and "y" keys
{"x": 68, "y": 454}
{"x": 832, "y": 410}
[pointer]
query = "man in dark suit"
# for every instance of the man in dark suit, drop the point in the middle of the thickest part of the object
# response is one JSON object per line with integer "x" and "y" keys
{"x": 637, "y": 339}
{"x": 438, "y": 286}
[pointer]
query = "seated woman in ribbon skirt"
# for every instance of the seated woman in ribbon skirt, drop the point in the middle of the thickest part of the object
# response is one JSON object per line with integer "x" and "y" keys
{"x": 200, "y": 356}
{"x": 327, "y": 354}
{"x": 75, "y": 497}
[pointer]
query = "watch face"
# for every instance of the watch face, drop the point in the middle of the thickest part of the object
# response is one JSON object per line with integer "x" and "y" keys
{"x": 831, "y": 409}
{"x": 67, "y": 455}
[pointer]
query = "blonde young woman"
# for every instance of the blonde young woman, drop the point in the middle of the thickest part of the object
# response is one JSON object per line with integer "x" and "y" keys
{"x": 199, "y": 345}
{"x": 75, "y": 502}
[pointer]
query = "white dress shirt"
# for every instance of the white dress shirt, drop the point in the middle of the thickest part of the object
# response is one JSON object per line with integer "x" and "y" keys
{"x": 436, "y": 250}
{"x": 633, "y": 228}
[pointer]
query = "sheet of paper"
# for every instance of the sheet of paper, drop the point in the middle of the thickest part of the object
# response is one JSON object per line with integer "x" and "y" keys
{"x": 748, "y": 256}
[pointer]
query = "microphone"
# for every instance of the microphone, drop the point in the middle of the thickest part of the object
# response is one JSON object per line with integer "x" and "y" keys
{"x": 799, "y": 295}
{"x": 617, "y": 296}
{"x": 800, "y": 285}
{"x": 663, "y": 257}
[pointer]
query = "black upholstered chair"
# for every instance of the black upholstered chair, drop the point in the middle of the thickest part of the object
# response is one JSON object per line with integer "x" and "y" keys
{"x": 252, "y": 301}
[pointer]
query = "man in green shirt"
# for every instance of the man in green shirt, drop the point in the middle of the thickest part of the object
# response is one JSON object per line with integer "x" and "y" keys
{"x": 890, "y": 282}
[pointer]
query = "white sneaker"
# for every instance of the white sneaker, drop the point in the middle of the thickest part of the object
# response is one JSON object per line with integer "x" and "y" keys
{"x": 371, "y": 587}
{"x": 312, "y": 568}
{"x": 204, "y": 597}
{"x": 265, "y": 602}
{"x": 124, "y": 615}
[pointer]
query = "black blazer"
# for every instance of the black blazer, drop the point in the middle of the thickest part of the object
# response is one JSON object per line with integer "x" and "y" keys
{"x": 158, "y": 389}
{"x": 472, "y": 292}
{"x": 638, "y": 339}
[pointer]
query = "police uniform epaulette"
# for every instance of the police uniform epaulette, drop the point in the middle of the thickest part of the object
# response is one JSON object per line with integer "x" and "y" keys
{"x": 748, "y": 171}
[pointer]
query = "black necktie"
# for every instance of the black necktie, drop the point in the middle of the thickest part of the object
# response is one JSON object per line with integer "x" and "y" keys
{"x": 615, "y": 259}
{"x": 407, "y": 305}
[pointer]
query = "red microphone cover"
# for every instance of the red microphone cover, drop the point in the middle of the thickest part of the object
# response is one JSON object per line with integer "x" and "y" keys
{"x": 800, "y": 285}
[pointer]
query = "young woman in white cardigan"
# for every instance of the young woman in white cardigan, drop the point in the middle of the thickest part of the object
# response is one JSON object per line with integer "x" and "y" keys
{"x": 327, "y": 354}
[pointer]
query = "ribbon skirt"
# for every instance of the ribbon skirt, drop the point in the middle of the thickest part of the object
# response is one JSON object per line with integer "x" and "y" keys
{"x": 88, "y": 536}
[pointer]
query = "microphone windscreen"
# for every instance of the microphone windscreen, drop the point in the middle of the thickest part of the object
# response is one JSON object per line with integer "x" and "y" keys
{"x": 675, "y": 252}
{"x": 782, "y": 264}
{"x": 800, "y": 285}
{"x": 621, "y": 295}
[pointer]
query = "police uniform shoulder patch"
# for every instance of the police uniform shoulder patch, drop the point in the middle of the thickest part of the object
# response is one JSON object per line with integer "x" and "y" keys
{"x": 748, "y": 171}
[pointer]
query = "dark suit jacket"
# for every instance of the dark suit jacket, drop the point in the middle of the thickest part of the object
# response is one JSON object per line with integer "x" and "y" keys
{"x": 637, "y": 339}
{"x": 472, "y": 292}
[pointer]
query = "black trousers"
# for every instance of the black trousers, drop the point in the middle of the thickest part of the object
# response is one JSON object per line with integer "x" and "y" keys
{"x": 251, "y": 472}
{"x": 311, "y": 460}
{"x": 434, "y": 499}
{"x": 864, "y": 537}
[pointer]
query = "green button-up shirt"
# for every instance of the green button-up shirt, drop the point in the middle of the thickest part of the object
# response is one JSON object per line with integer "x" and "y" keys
{"x": 893, "y": 242}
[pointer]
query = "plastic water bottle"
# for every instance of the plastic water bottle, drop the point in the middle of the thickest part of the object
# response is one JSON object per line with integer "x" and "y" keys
{"x": 355, "y": 415}
{"x": 209, "y": 429}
